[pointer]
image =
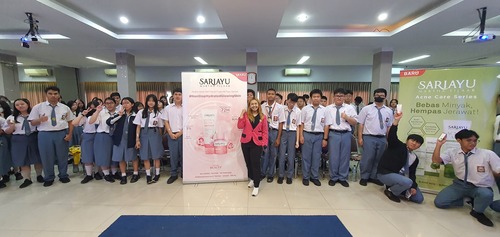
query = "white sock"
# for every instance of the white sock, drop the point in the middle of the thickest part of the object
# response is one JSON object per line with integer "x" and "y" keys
{"x": 148, "y": 172}
{"x": 157, "y": 171}
{"x": 114, "y": 170}
{"x": 136, "y": 172}
{"x": 88, "y": 170}
{"x": 106, "y": 172}
{"x": 124, "y": 174}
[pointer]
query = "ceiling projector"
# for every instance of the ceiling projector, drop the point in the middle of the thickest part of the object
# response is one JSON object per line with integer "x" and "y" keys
{"x": 479, "y": 38}
{"x": 32, "y": 35}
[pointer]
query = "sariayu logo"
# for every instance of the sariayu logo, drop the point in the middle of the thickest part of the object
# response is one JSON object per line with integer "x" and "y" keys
{"x": 446, "y": 85}
{"x": 214, "y": 82}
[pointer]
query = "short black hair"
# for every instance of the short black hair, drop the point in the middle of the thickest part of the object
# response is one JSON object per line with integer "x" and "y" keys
{"x": 251, "y": 91}
{"x": 52, "y": 88}
{"x": 316, "y": 91}
{"x": 358, "y": 99}
{"x": 324, "y": 97}
{"x": 279, "y": 95}
{"x": 348, "y": 92}
{"x": 178, "y": 89}
{"x": 419, "y": 139}
{"x": 115, "y": 94}
{"x": 340, "y": 91}
{"x": 301, "y": 98}
{"x": 305, "y": 96}
{"x": 466, "y": 133}
{"x": 271, "y": 89}
{"x": 293, "y": 97}
{"x": 380, "y": 90}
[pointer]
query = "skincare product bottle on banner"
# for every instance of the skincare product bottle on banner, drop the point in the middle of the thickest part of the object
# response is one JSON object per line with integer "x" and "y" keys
{"x": 209, "y": 118}
{"x": 220, "y": 143}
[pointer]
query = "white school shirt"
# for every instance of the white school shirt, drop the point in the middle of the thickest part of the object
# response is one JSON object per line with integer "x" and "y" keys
{"x": 277, "y": 114}
{"x": 331, "y": 117}
{"x": 173, "y": 115}
{"x": 87, "y": 127}
{"x": 306, "y": 118}
{"x": 101, "y": 120}
{"x": 368, "y": 116}
{"x": 63, "y": 116}
{"x": 19, "y": 125}
{"x": 155, "y": 120}
{"x": 480, "y": 165}
{"x": 294, "y": 118}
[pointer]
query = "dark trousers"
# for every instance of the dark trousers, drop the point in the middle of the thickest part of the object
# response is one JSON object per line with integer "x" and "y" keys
{"x": 252, "y": 153}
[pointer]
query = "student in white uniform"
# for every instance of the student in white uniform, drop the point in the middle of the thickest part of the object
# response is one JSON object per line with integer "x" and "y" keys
{"x": 172, "y": 116}
{"x": 124, "y": 139}
{"x": 313, "y": 126}
{"x": 55, "y": 130}
{"x": 289, "y": 139}
{"x": 148, "y": 136}
{"x": 275, "y": 118}
{"x": 103, "y": 144}
{"x": 24, "y": 142}
{"x": 338, "y": 121}
{"x": 474, "y": 168}
{"x": 117, "y": 97}
{"x": 88, "y": 136}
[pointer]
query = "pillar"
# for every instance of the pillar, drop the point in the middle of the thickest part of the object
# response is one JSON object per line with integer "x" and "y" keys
{"x": 125, "y": 67}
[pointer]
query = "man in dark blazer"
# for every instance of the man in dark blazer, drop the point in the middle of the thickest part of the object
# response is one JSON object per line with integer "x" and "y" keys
{"x": 398, "y": 165}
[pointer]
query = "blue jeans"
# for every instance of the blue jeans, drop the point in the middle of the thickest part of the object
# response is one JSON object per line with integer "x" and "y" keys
{"x": 373, "y": 148}
{"x": 339, "y": 145}
{"x": 311, "y": 155}
{"x": 453, "y": 196}
{"x": 269, "y": 159}
{"x": 495, "y": 205}
{"x": 399, "y": 184}
{"x": 175, "y": 148}
{"x": 287, "y": 145}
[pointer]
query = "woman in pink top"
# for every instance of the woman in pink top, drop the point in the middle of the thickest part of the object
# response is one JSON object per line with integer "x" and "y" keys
{"x": 253, "y": 140}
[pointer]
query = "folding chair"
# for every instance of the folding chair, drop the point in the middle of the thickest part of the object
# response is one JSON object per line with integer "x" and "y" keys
{"x": 355, "y": 157}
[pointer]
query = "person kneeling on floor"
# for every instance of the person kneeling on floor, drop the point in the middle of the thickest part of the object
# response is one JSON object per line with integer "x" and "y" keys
{"x": 398, "y": 165}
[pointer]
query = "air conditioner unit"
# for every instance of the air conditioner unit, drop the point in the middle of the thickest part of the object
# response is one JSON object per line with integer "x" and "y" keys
{"x": 37, "y": 72}
{"x": 111, "y": 72}
{"x": 297, "y": 71}
{"x": 207, "y": 70}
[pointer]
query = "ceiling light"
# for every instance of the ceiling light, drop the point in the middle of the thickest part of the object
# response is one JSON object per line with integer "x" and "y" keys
{"x": 382, "y": 17}
{"x": 415, "y": 59}
{"x": 302, "y": 17}
{"x": 200, "y": 19}
{"x": 498, "y": 62}
{"x": 100, "y": 60}
{"x": 303, "y": 59}
{"x": 200, "y": 60}
{"x": 18, "y": 63}
{"x": 124, "y": 20}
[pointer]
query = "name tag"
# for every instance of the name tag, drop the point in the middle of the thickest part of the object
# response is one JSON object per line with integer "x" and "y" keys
{"x": 293, "y": 121}
{"x": 275, "y": 118}
{"x": 481, "y": 169}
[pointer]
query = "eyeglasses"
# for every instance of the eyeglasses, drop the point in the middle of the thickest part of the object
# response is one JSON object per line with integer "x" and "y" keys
{"x": 109, "y": 103}
{"x": 339, "y": 96}
{"x": 471, "y": 140}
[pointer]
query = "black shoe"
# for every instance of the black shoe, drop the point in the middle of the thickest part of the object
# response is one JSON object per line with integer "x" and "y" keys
{"x": 109, "y": 178}
{"x": 156, "y": 178}
{"x": 363, "y": 182}
{"x": 288, "y": 180}
{"x": 376, "y": 181}
{"x": 86, "y": 179}
{"x": 481, "y": 218}
{"x": 391, "y": 196}
{"x": 305, "y": 182}
{"x": 332, "y": 183}
{"x": 270, "y": 179}
{"x": 123, "y": 180}
{"x": 149, "y": 180}
{"x": 97, "y": 176}
{"x": 316, "y": 182}
{"x": 344, "y": 183}
{"x": 117, "y": 176}
{"x": 39, "y": 179}
{"x": 64, "y": 180}
{"x": 19, "y": 176}
{"x": 5, "y": 178}
{"x": 262, "y": 177}
{"x": 134, "y": 178}
{"x": 26, "y": 183}
{"x": 280, "y": 180}
{"x": 2, "y": 185}
{"x": 48, "y": 183}
{"x": 171, "y": 179}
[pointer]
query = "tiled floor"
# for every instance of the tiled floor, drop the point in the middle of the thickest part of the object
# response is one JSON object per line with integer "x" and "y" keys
{"x": 86, "y": 210}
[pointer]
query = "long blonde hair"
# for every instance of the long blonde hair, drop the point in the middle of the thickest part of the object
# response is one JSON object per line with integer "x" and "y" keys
{"x": 250, "y": 113}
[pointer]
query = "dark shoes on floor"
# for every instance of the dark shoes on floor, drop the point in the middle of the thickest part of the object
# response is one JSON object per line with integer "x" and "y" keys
{"x": 48, "y": 183}
{"x": 332, "y": 182}
{"x": 97, "y": 176}
{"x": 305, "y": 182}
{"x": 123, "y": 180}
{"x": 19, "y": 176}
{"x": 280, "y": 180}
{"x": 171, "y": 179}
{"x": 40, "y": 179}
{"x": 481, "y": 218}
{"x": 316, "y": 182}
{"x": 341, "y": 182}
{"x": 363, "y": 182}
{"x": 134, "y": 178}
{"x": 344, "y": 183}
{"x": 149, "y": 180}
{"x": 156, "y": 178}
{"x": 109, "y": 178}
{"x": 288, "y": 180}
{"x": 270, "y": 179}
{"x": 376, "y": 181}
{"x": 2, "y": 185}
{"x": 64, "y": 180}
{"x": 391, "y": 196}
{"x": 26, "y": 183}
{"x": 86, "y": 179}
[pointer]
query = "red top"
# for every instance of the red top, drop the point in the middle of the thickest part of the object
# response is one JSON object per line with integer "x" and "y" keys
{"x": 259, "y": 134}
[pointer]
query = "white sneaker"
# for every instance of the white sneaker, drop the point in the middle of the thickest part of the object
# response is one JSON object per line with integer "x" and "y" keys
{"x": 250, "y": 184}
{"x": 255, "y": 192}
